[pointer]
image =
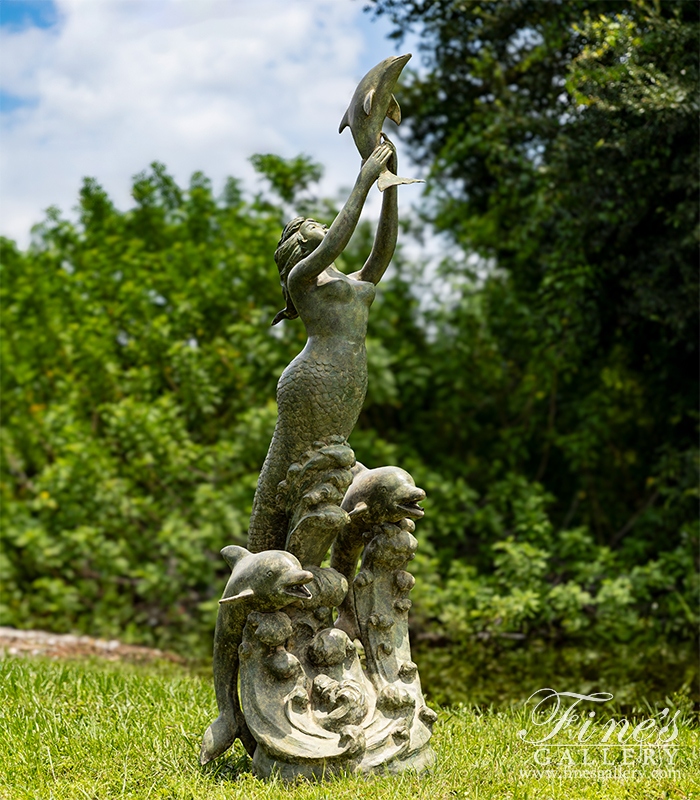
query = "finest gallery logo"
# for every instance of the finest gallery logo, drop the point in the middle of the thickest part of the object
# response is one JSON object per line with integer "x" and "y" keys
{"x": 563, "y": 729}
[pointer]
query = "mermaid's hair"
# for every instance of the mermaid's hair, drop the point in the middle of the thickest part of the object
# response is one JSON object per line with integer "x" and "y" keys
{"x": 290, "y": 251}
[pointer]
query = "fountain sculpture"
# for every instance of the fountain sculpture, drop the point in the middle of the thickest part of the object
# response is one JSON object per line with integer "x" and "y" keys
{"x": 322, "y": 654}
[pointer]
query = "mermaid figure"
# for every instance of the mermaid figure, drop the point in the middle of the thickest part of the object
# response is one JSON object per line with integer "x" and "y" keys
{"x": 322, "y": 390}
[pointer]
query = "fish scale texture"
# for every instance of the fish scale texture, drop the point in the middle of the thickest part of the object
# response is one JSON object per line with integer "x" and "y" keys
{"x": 316, "y": 399}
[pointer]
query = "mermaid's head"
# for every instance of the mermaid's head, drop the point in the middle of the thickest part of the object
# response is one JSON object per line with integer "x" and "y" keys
{"x": 299, "y": 238}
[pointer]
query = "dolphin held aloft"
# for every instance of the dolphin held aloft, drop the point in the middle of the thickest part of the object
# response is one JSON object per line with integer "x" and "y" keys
{"x": 371, "y": 104}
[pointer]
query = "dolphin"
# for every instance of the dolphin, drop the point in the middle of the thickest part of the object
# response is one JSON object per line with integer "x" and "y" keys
{"x": 267, "y": 581}
{"x": 372, "y": 102}
{"x": 385, "y": 494}
{"x": 376, "y": 496}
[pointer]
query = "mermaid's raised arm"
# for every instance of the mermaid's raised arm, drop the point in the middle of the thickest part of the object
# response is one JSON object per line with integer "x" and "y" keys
{"x": 338, "y": 236}
{"x": 387, "y": 230}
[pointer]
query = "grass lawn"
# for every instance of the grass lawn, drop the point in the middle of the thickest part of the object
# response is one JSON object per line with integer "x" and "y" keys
{"x": 99, "y": 730}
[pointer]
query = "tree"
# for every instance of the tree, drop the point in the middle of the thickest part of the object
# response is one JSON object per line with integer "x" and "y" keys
{"x": 561, "y": 143}
{"x": 139, "y": 373}
{"x": 138, "y": 378}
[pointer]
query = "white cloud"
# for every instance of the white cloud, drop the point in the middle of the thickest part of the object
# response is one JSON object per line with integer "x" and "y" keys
{"x": 197, "y": 84}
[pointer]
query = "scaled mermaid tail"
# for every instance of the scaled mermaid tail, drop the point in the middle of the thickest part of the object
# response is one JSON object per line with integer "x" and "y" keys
{"x": 318, "y": 395}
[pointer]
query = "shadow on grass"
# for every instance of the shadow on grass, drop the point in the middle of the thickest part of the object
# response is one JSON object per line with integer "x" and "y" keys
{"x": 228, "y": 767}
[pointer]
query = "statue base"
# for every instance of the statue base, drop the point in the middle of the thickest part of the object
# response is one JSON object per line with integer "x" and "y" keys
{"x": 265, "y": 768}
{"x": 311, "y": 704}
{"x": 325, "y": 692}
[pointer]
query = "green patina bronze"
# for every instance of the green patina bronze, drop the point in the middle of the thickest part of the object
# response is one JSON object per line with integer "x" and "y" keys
{"x": 371, "y": 104}
{"x": 321, "y": 695}
{"x": 262, "y": 582}
{"x": 386, "y": 495}
{"x": 320, "y": 394}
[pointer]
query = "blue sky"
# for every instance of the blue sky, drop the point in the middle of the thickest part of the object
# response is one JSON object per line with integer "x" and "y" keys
{"x": 15, "y": 16}
{"x": 19, "y": 14}
{"x": 104, "y": 88}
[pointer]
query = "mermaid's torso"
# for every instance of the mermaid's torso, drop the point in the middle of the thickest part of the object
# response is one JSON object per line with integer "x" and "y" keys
{"x": 319, "y": 394}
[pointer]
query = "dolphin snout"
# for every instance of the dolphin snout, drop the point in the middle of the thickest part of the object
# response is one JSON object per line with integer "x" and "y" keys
{"x": 296, "y": 588}
{"x": 410, "y": 505}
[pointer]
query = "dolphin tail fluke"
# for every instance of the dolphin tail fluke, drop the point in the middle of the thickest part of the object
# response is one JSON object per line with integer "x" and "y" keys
{"x": 218, "y": 737}
{"x": 387, "y": 179}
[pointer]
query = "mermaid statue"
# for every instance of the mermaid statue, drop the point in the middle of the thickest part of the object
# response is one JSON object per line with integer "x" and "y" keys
{"x": 320, "y": 394}
{"x": 311, "y": 691}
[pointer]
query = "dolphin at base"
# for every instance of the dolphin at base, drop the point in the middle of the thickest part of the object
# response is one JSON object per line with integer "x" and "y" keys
{"x": 267, "y": 581}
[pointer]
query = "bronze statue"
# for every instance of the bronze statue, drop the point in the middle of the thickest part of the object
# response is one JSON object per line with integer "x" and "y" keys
{"x": 371, "y": 104}
{"x": 322, "y": 391}
{"x": 319, "y": 695}
{"x": 259, "y": 582}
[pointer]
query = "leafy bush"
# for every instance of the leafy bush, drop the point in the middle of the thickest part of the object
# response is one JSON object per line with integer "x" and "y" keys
{"x": 138, "y": 385}
{"x": 138, "y": 382}
{"x": 561, "y": 143}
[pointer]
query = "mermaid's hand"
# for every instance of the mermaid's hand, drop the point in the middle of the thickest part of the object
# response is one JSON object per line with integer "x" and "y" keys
{"x": 377, "y": 162}
{"x": 393, "y": 162}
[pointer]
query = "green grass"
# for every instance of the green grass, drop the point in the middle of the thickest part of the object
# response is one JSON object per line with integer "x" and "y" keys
{"x": 101, "y": 730}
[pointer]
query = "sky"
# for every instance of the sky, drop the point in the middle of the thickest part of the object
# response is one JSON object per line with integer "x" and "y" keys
{"x": 102, "y": 88}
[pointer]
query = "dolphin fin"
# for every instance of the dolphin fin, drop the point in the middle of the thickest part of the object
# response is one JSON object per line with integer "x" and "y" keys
{"x": 344, "y": 122}
{"x": 387, "y": 179}
{"x": 394, "y": 111}
{"x": 367, "y": 105}
{"x": 233, "y": 554}
{"x": 359, "y": 508}
{"x": 357, "y": 469}
{"x": 240, "y": 596}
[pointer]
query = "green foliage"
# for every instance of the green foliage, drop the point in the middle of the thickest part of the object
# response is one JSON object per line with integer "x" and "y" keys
{"x": 500, "y": 671}
{"x": 562, "y": 142}
{"x": 542, "y": 395}
{"x": 287, "y": 177}
{"x": 138, "y": 381}
{"x": 113, "y": 731}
